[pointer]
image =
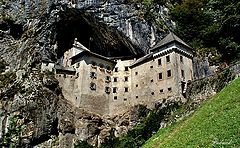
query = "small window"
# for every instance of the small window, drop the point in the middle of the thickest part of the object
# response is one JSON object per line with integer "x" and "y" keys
{"x": 159, "y": 61}
{"x": 115, "y": 79}
{"x": 107, "y": 90}
{"x": 78, "y": 65}
{"x": 136, "y": 85}
{"x": 169, "y": 73}
{"x": 168, "y": 59}
{"x": 116, "y": 69}
{"x": 161, "y": 91}
{"x": 93, "y": 63}
{"x": 93, "y": 86}
{"x": 136, "y": 97}
{"x": 183, "y": 74}
{"x": 152, "y": 93}
{"x": 169, "y": 89}
{"x": 160, "y": 76}
{"x": 108, "y": 79}
{"x": 115, "y": 97}
{"x": 59, "y": 75}
{"x": 64, "y": 75}
{"x": 152, "y": 80}
{"x": 136, "y": 73}
{"x": 164, "y": 100}
{"x": 126, "y": 89}
{"x": 93, "y": 75}
{"x": 126, "y": 68}
{"x": 151, "y": 66}
{"x": 181, "y": 59}
{"x": 125, "y": 79}
{"x": 125, "y": 99}
{"x": 114, "y": 89}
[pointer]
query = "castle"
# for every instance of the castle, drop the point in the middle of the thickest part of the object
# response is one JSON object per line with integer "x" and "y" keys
{"x": 109, "y": 86}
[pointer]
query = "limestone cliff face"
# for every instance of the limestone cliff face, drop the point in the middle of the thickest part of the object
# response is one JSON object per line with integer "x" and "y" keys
{"x": 102, "y": 25}
{"x": 33, "y": 30}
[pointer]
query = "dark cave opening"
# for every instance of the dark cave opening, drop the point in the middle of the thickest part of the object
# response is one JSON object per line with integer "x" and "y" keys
{"x": 15, "y": 30}
{"x": 93, "y": 34}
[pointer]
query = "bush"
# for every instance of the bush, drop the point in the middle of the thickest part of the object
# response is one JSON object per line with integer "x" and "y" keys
{"x": 12, "y": 137}
{"x": 82, "y": 144}
{"x": 144, "y": 130}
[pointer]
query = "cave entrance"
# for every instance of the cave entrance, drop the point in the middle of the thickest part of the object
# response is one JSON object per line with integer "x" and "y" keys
{"x": 93, "y": 34}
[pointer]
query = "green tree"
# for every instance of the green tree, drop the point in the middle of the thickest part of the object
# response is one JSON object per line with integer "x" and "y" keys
{"x": 209, "y": 24}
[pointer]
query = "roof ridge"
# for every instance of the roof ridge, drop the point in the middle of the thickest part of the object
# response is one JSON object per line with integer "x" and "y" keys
{"x": 171, "y": 37}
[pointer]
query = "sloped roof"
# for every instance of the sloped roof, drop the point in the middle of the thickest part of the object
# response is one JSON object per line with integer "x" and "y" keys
{"x": 59, "y": 67}
{"x": 171, "y": 37}
{"x": 92, "y": 54}
{"x": 141, "y": 60}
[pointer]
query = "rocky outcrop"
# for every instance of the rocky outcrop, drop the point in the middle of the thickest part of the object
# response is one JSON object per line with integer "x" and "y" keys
{"x": 32, "y": 107}
{"x": 104, "y": 26}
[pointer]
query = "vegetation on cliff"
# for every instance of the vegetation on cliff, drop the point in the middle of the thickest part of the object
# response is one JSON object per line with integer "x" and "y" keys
{"x": 210, "y": 26}
{"x": 215, "y": 124}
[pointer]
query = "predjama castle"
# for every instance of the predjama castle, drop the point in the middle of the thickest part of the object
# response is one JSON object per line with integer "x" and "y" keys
{"x": 109, "y": 86}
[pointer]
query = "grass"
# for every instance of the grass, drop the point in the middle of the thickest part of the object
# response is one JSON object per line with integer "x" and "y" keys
{"x": 215, "y": 124}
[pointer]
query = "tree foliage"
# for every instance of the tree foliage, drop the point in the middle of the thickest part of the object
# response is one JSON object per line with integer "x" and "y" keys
{"x": 144, "y": 130}
{"x": 212, "y": 24}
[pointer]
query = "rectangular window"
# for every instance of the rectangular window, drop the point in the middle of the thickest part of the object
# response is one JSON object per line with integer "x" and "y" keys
{"x": 151, "y": 66}
{"x": 136, "y": 97}
{"x": 114, "y": 89}
{"x": 159, "y": 62}
{"x": 161, "y": 91}
{"x": 115, "y": 97}
{"x": 136, "y": 73}
{"x": 116, "y": 69}
{"x": 93, "y": 86}
{"x": 107, "y": 90}
{"x": 183, "y": 74}
{"x": 168, "y": 59}
{"x": 125, "y": 99}
{"x": 126, "y": 68}
{"x": 126, "y": 89}
{"x": 108, "y": 79}
{"x": 115, "y": 79}
{"x": 181, "y": 59}
{"x": 93, "y": 75}
{"x": 136, "y": 85}
{"x": 152, "y": 80}
{"x": 160, "y": 76}
{"x": 169, "y": 89}
{"x": 125, "y": 79}
{"x": 169, "y": 73}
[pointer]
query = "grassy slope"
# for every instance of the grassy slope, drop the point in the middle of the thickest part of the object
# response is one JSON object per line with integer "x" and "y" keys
{"x": 215, "y": 124}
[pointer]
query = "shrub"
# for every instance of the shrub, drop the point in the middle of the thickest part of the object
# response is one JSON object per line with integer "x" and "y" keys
{"x": 12, "y": 137}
